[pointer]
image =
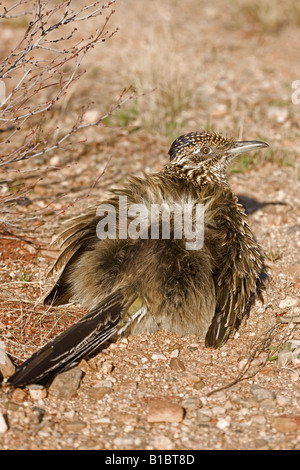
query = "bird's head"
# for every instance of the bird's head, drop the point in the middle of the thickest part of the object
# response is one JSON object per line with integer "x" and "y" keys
{"x": 208, "y": 151}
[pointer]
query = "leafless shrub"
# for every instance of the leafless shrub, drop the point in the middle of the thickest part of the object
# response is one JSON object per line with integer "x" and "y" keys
{"x": 259, "y": 354}
{"x": 36, "y": 75}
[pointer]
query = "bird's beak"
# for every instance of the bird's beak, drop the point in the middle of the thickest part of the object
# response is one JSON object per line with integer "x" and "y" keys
{"x": 246, "y": 146}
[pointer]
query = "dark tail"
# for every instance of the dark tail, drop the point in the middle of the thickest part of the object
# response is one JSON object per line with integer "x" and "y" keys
{"x": 78, "y": 341}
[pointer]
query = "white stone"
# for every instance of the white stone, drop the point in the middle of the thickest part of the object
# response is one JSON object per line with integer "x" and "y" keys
{"x": 3, "y": 424}
{"x": 223, "y": 423}
{"x": 288, "y": 302}
{"x": 158, "y": 357}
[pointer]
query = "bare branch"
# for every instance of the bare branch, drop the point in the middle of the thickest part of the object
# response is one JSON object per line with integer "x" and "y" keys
{"x": 38, "y": 73}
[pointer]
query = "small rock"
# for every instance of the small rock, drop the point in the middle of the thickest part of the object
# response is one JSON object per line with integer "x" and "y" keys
{"x": 295, "y": 311}
{"x": 218, "y": 410}
{"x": 286, "y": 423}
{"x": 194, "y": 378}
{"x": 98, "y": 392}
{"x": 283, "y": 401}
{"x": 123, "y": 442}
{"x": 259, "y": 420}
{"x": 37, "y": 392}
{"x": 242, "y": 363}
{"x": 74, "y": 426}
{"x": 223, "y": 423}
{"x": 191, "y": 403}
{"x": 284, "y": 357}
{"x": 164, "y": 411}
{"x": 199, "y": 385}
{"x": 30, "y": 248}
{"x": 261, "y": 444}
{"x": 107, "y": 367}
{"x": 203, "y": 417}
{"x": 261, "y": 393}
{"x": 125, "y": 418}
{"x": 105, "y": 383}
{"x": 65, "y": 385}
{"x": 123, "y": 343}
{"x": 3, "y": 424}
{"x": 174, "y": 353}
{"x": 104, "y": 420}
{"x": 256, "y": 363}
{"x": 162, "y": 443}
{"x": 220, "y": 396}
{"x": 84, "y": 366}
{"x": 6, "y": 366}
{"x": 158, "y": 357}
{"x": 19, "y": 395}
{"x": 177, "y": 364}
{"x": 289, "y": 302}
{"x": 13, "y": 406}
{"x": 55, "y": 161}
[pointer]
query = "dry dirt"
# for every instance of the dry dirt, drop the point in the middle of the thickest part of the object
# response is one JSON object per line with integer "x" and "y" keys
{"x": 234, "y": 75}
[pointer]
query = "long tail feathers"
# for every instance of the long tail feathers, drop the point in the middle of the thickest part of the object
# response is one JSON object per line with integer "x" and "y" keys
{"x": 78, "y": 341}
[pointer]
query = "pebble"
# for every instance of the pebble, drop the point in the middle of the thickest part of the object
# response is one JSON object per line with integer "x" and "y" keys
{"x": 223, "y": 423}
{"x": 177, "y": 364}
{"x": 283, "y": 401}
{"x": 65, "y": 385}
{"x": 162, "y": 443}
{"x": 258, "y": 419}
{"x": 84, "y": 366}
{"x": 164, "y": 411}
{"x": 107, "y": 367}
{"x": 3, "y": 424}
{"x": 125, "y": 418}
{"x": 37, "y": 392}
{"x": 288, "y": 302}
{"x": 6, "y": 366}
{"x": 286, "y": 423}
{"x": 174, "y": 353}
{"x": 260, "y": 393}
{"x": 104, "y": 420}
{"x": 74, "y": 426}
{"x": 199, "y": 384}
{"x": 106, "y": 383}
{"x": 203, "y": 417}
{"x": 261, "y": 444}
{"x": 19, "y": 395}
{"x": 124, "y": 442}
{"x": 191, "y": 403}
{"x": 98, "y": 392}
{"x": 55, "y": 161}
{"x": 158, "y": 357}
{"x": 218, "y": 410}
{"x": 13, "y": 406}
{"x": 292, "y": 315}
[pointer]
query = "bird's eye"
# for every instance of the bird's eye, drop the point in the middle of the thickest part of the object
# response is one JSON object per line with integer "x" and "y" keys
{"x": 206, "y": 150}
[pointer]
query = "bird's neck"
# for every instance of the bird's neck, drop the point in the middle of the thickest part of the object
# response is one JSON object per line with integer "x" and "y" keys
{"x": 201, "y": 176}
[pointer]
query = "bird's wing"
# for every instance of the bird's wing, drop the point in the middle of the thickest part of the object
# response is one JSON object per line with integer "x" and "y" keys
{"x": 238, "y": 280}
{"x": 80, "y": 235}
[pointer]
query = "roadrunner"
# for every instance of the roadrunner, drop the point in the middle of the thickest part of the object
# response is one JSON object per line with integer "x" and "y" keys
{"x": 143, "y": 283}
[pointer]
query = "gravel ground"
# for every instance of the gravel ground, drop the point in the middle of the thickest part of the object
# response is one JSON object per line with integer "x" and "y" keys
{"x": 160, "y": 391}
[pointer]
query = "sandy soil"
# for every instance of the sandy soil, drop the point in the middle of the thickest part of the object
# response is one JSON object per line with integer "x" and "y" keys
{"x": 233, "y": 73}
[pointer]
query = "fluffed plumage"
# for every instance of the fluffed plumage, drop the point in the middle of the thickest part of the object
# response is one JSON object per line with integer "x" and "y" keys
{"x": 132, "y": 285}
